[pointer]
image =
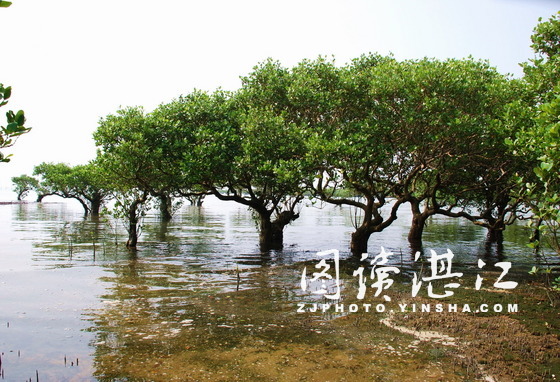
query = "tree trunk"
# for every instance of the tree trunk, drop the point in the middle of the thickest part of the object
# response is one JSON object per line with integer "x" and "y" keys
{"x": 196, "y": 200}
{"x": 162, "y": 232}
{"x": 199, "y": 200}
{"x": 132, "y": 234}
{"x": 417, "y": 228}
{"x": 84, "y": 205}
{"x": 271, "y": 234}
{"x": 495, "y": 232}
{"x": 96, "y": 205}
{"x": 536, "y": 235}
{"x": 493, "y": 250}
{"x": 132, "y": 225}
{"x": 417, "y": 225}
{"x": 360, "y": 237}
{"x": 266, "y": 234}
{"x": 495, "y": 235}
{"x": 496, "y": 226}
{"x": 165, "y": 207}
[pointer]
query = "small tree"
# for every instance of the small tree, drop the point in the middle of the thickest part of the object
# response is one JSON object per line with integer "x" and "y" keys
{"x": 23, "y": 184}
{"x": 240, "y": 151}
{"x": 132, "y": 159}
{"x": 131, "y": 206}
{"x": 85, "y": 183}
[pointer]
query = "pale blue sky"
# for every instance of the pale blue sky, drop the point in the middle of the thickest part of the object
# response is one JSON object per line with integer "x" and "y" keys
{"x": 71, "y": 62}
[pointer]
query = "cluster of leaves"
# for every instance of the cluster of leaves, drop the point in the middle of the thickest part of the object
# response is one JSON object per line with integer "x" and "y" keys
{"x": 15, "y": 121}
{"x": 15, "y": 124}
{"x": 544, "y": 192}
{"x": 23, "y": 184}
{"x": 540, "y": 138}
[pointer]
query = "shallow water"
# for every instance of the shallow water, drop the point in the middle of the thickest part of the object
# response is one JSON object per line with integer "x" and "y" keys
{"x": 76, "y": 305}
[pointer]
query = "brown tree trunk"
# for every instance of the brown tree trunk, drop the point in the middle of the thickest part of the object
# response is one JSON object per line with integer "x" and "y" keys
{"x": 133, "y": 223}
{"x": 199, "y": 201}
{"x": 40, "y": 197}
{"x": 495, "y": 232}
{"x": 132, "y": 234}
{"x": 196, "y": 200}
{"x": 495, "y": 235}
{"x": 271, "y": 234}
{"x": 165, "y": 206}
{"x": 96, "y": 205}
{"x": 268, "y": 239}
{"x": 84, "y": 206}
{"x": 359, "y": 241}
{"x": 417, "y": 225}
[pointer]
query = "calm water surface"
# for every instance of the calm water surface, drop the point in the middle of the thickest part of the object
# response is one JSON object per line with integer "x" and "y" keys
{"x": 75, "y": 305}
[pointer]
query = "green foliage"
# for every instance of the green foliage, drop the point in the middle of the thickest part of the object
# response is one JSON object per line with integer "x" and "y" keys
{"x": 139, "y": 150}
{"x": 15, "y": 121}
{"x": 23, "y": 184}
{"x": 541, "y": 139}
{"x": 54, "y": 178}
{"x": 543, "y": 71}
{"x": 205, "y": 138}
{"x": 542, "y": 189}
{"x": 422, "y": 130}
{"x": 556, "y": 284}
{"x": 15, "y": 124}
{"x": 85, "y": 183}
{"x": 545, "y": 38}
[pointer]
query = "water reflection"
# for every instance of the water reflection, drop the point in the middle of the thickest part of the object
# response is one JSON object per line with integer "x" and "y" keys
{"x": 155, "y": 311}
{"x": 223, "y": 235}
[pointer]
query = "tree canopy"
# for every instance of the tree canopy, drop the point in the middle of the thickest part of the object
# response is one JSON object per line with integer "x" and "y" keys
{"x": 85, "y": 183}
{"x": 23, "y": 184}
